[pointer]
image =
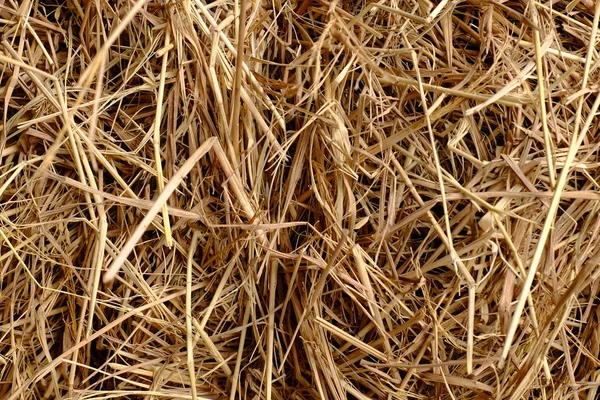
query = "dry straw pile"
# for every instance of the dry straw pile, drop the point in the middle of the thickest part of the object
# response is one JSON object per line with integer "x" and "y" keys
{"x": 392, "y": 199}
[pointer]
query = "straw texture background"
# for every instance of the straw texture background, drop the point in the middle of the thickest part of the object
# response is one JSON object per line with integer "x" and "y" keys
{"x": 313, "y": 199}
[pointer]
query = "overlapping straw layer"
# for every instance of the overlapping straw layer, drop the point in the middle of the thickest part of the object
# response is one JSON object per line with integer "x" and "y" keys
{"x": 311, "y": 199}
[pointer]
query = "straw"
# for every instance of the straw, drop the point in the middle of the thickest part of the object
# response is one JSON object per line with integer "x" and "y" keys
{"x": 312, "y": 199}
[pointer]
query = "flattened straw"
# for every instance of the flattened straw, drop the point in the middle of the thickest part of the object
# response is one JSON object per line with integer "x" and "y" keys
{"x": 17, "y": 63}
{"x": 352, "y": 340}
{"x": 210, "y": 345}
{"x": 240, "y": 352}
{"x": 271, "y": 329}
{"x": 542, "y": 101}
{"x": 188, "y": 314}
{"x": 157, "y": 136}
{"x": 502, "y": 93}
{"x": 234, "y": 123}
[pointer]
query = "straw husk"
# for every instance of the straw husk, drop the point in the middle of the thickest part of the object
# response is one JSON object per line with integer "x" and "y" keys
{"x": 306, "y": 199}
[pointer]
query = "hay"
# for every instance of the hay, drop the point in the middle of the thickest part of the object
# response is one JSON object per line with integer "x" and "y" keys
{"x": 321, "y": 200}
